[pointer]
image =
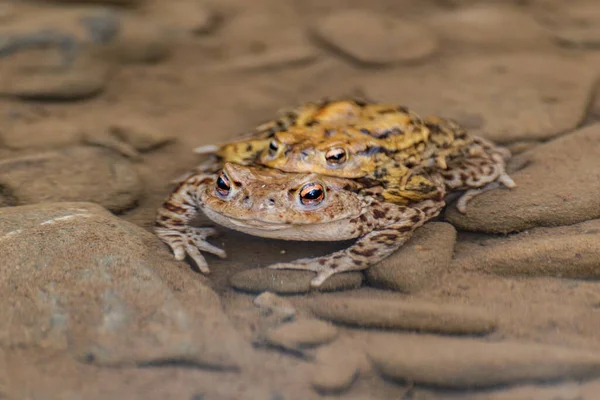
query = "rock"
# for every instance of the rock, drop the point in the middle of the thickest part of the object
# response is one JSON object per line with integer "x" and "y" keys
{"x": 140, "y": 133}
{"x": 575, "y": 25}
{"x": 57, "y": 54}
{"x": 290, "y": 282}
{"x": 419, "y": 263}
{"x": 470, "y": 363}
{"x": 142, "y": 41}
{"x": 381, "y": 39}
{"x": 338, "y": 365}
{"x": 566, "y": 252}
{"x": 301, "y": 334}
{"x": 522, "y": 99}
{"x": 77, "y": 279}
{"x": 45, "y": 133}
{"x": 190, "y": 17}
{"x": 538, "y": 200}
{"x": 491, "y": 26}
{"x": 406, "y": 315}
{"x": 270, "y": 303}
{"x": 73, "y": 174}
{"x": 275, "y": 59}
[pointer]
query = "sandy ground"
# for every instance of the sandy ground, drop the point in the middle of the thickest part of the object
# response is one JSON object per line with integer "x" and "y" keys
{"x": 101, "y": 104}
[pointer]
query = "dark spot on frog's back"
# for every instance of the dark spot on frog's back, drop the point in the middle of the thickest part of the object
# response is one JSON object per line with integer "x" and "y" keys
{"x": 249, "y": 148}
{"x": 364, "y": 253}
{"x": 378, "y": 214}
{"x": 415, "y": 218}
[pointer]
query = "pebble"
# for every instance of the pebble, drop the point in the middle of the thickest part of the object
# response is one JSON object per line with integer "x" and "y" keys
{"x": 142, "y": 41}
{"x": 455, "y": 363}
{"x": 418, "y": 264}
{"x": 575, "y": 25}
{"x": 375, "y": 39}
{"x": 522, "y": 99}
{"x": 337, "y": 367}
{"x": 270, "y": 303}
{"x": 491, "y": 26}
{"x": 187, "y": 16}
{"x": 72, "y": 174}
{"x": 259, "y": 280}
{"x": 400, "y": 314}
{"x": 45, "y": 133}
{"x": 559, "y": 185}
{"x": 77, "y": 279}
{"x": 301, "y": 334}
{"x": 566, "y": 252}
{"x": 140, "y": 133}
{"x": 57, "y": 54}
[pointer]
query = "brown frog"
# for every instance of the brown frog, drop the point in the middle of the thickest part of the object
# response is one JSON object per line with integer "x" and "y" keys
{"x": 290, "y": 206}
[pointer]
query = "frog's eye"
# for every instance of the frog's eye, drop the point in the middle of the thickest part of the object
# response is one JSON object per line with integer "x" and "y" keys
{"x": 273, "y": 147}
{"x": 335, "y": 156}
{"x": 312, "y": 194}
{"x": 222, "y": 185}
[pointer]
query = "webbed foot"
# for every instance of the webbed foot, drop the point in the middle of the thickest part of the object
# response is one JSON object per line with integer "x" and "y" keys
{"x": 190, "y": 242}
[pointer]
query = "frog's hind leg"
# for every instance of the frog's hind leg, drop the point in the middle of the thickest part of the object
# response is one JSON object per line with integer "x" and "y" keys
{"x": 393, "y": 226}
{"x": 475, "y": 176}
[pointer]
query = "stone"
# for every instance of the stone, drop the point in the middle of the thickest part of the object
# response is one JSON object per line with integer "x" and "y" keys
{"x": 559, "y": 185}
{"x": 78, "y": 280}
{"x": 45, "y": 133}
{"x": 57, "y": 54}
{"x": 565, "y": 252}
{"x": 419, "y": 263}
{"x": 72, "y": 174}
{"x": 140, "y": 133}
{"x": 290, "y": 282}
{"x": 270, "y": 303}
{"x": 521, "y": 99}
{"x": 301, "y": 334}
{"x": 337, "y": 367}
{"x": 455, "y": 363}
{"x": 189, "y": 17}
{"x": 275, "y": 59}
{"x": 413, "y": 315}
{"x": 491, "y": 26}
{"x": 375, "y": 39}
{"x": 575, "y": 25}
{"x": 142, "y": 41}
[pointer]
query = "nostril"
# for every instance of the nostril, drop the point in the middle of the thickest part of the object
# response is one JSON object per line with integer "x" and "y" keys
{"x": 246, "y": 198}
{"x": 271, "y": 201}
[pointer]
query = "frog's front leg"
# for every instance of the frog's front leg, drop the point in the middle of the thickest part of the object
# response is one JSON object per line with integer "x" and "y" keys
{"x": 173, "y": 218}
{"x": 392, "y": 226}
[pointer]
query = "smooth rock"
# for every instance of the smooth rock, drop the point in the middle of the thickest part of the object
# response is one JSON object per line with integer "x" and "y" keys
{"x": 57, "y": 54}
{"x": 291, "y": 282}
{"x": 45, "y": 133}
{"x": 142, "y": 41}
{"x": 521, "y": 99}
{"x": 558, "y": 186}
{"x": 140, "y": 133}
{"x": 405, "y": 315}
{"x": 187, "y": 16}
{"x": 338, "y": 365}
{"x": 491, "y": 26}
{"x": 471, "y": 363}
{"x": 301, "y": 334}
{"x": 574, "y": 24}
{"x": 270, "y": 303}
{"x": 381, "y": 39}
{"x": 565, "y": 252}
{"x": 77, "y": 279}
{"x": 419, "y": 263}
{"x": 72, "y": 174}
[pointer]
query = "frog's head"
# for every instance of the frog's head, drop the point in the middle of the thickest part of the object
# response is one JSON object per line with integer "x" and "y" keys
{"x": 269, "y": 198}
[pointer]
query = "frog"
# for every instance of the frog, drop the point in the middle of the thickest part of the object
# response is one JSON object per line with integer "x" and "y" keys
{"x": 273, "y": 204}
{"x": 468, "y": 163}
{"x": 388, "y": 145}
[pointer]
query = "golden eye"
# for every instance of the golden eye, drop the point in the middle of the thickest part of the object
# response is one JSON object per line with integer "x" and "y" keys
{"x": 336, "y": 156}
{"x": 222, "y": 186}
{"x": 273, "y": 147}
{"x": 312, "y": 194}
